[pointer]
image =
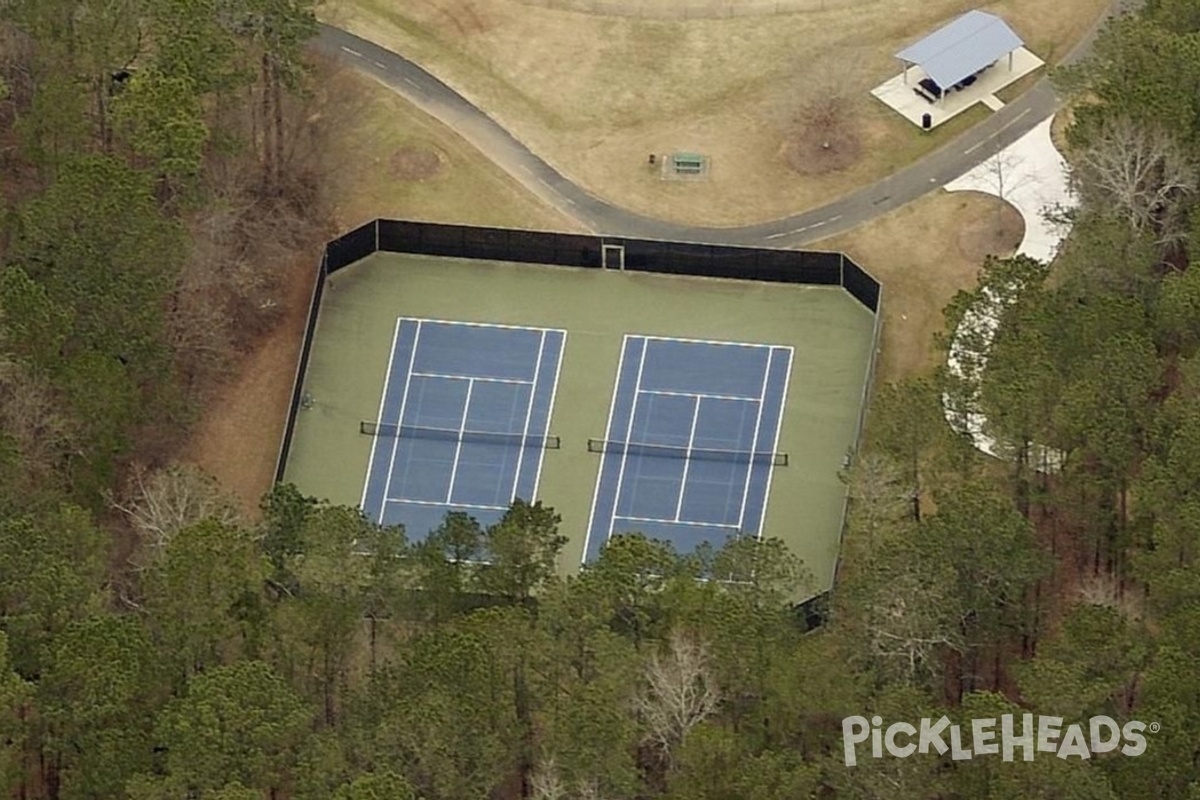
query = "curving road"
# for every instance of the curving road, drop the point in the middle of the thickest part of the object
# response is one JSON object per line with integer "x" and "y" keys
{"x": 441, "y": 101}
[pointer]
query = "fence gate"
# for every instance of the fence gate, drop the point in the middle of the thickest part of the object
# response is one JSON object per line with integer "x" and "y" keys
{"x": 612, "y": 256}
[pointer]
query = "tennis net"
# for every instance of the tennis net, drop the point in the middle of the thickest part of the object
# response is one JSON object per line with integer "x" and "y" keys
{"x": 455, "y": 435}
{"x": 696, "y": 453}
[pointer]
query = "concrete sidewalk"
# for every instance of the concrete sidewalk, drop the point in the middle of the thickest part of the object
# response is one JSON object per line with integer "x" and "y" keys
{"x": 1032, "y": 176}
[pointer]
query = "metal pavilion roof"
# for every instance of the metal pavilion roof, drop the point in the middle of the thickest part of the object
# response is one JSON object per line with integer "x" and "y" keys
{"x": 962, "y": 48}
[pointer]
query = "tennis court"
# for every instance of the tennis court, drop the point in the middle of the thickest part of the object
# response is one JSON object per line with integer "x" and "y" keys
{"x": 691, "y": 441}
{"x": 704, "y": 346}
{"x": 463, "y": 421}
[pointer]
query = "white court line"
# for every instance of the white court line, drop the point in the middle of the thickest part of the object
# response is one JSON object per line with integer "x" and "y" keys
{"x": 387, "y": 487}
{"x": 612, "y": 406}
{"x": 469, "y": 378}
{"x": 775, "y": 446}
{"x": 481, "y": 324}
{"x": 628, "y": 434}
{"x": 671, "y": 522}
{"x": 537, "y": 368}
{"x": 462, "y": 428}
{"x": 706, "y": 341}
{"x": 440, "y": 503}
{"x": 466, "y": 324}
{"x": 762, "y": 395}
{"x": 562, "y": 347}
{"x": 701, "y": 395}
{"x": 379, "y": 417}
{"x": 687, "y": 459}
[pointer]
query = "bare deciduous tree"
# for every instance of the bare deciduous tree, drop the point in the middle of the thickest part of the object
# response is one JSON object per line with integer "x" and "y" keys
{"x": 32, "y": 416}
{"x": 546, "y": 784}
{"x": 1139, "y": 171}
{"x": 826, "y": 113}
{"x": 826, "y": 137}
{"x": 199, "y": 327}
{"x": 909, "y": 620}
{"x": 162, "y": 503}
{"x": 234, "y": 284}
{"x": 1106, "y": 590}
{"x": 880, "y": 495}
{"x": 1004, "y": 173}
{"x": 680, "y": 691}
{"x": 588, "y": 790}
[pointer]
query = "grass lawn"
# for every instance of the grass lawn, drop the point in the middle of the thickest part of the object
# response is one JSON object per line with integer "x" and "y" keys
{"x": 595, "y": 95}
{"x": 395, "y": 161}
{"x": 1015, "y": 90}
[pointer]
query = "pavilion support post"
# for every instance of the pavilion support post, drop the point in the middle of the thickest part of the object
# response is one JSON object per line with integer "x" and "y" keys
{"x": 1010, "y": 59}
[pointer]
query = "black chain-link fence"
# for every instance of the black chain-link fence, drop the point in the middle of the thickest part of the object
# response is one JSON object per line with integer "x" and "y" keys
{"x": 298, "y": 386}
{"x": 577, "y": 250}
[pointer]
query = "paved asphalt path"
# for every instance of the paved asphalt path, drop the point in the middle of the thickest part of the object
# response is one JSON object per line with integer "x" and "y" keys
{"x": 934, "y": 170}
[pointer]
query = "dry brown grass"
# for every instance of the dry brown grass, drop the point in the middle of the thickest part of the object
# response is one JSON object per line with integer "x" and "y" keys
{"x": 923, "y": 254}
{"x": 396, "y": 161}
{"x": 416, "y": 163}
{"x": 825, "y": 138}
{"x": 1019, "y": 87}
{"x": 810, "y": 154}
{"x": 595, "y": 95}
{"x": 238, "y": 435}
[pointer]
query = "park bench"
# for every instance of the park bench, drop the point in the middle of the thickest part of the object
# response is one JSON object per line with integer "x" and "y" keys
{"x": 688, "y": 163}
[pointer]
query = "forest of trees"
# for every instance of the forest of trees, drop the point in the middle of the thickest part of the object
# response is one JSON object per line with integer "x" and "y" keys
{"x": 156, "y": 643}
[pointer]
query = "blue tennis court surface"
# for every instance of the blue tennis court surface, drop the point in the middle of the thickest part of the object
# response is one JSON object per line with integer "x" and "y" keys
{"x": 691, "y": 439}
{"x": 462, "y": 423}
